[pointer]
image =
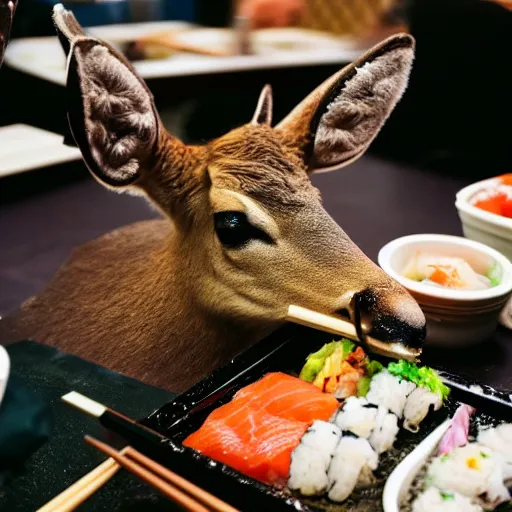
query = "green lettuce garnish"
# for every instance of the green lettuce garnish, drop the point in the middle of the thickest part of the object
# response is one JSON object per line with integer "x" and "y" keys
{"x": 363, "y": 386}
{"x": 315, "y": 362}
{"x": 372, "y": 368}
{"x": 421, "y": 376}
{"x": 495, "y": 274}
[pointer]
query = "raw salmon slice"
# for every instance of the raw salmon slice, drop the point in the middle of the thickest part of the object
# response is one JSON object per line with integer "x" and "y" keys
{"x": 257, "y": 431}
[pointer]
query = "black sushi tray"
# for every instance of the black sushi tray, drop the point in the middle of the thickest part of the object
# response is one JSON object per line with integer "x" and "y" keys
{"x": 285, "y": 351}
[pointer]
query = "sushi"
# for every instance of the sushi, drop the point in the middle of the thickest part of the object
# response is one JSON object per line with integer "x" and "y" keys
{"x": 385, "y": 431}
{"x": 417, "y": 405}
{"x": 473, "y": 471}
{"x": 332, "y": 461}
{"x": 369, "y": 421}
{"x": 434, "y": 500}
{"x": 312, "y": 457}
{"x": 352, "y": 465}
{"x": 356, "y": 415}
{"x": 390, "y": 391}
{"x": 467, "y": 476}
{"x": 408, "y": 391}
{"x": 289, "y": 431}
{"x": 498, "y": 439}
{"x": 257, "y": 431}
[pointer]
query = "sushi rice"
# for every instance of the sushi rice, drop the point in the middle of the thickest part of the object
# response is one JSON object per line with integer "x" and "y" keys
{"x": 390, "y": 392}
{"x": 332, "y": 461}
{"x": 351, "y": 466}
{"x": 417, "y": 406}
{"x": 385, "y": 431}
{"x": 356, "y": 415}
{"x": 312, "y": 457}
{"x": 473, "y": 471}
{"x": 434, "y": 500}
{"x": 498, "y": 439}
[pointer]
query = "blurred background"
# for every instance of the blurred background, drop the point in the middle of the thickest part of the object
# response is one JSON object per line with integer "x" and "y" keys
{"x": 205, "y": 62}
{"x": 454, "y": 116}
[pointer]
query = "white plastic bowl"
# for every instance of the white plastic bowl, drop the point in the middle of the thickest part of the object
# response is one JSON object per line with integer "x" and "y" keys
{"x": 480, "y": 225}
{"x": 454, "y": 317}
{"x": 398, "y": 484}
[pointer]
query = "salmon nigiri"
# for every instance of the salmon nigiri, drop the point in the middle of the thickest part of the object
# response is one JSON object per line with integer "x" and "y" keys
{"x": 257, "y": 431}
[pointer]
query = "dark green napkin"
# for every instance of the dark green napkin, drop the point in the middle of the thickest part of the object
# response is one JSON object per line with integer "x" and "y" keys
{"x": 26, "y": 422}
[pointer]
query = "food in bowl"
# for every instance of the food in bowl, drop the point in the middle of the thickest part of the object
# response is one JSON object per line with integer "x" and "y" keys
{"x": 496, "y": 197}
{"x": 287, "y": 432}
{"x": 448, "y": 272}
{"x": 464, "y": 474}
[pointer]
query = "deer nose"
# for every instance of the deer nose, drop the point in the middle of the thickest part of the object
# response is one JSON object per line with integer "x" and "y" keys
{"x": 402, "y": 321}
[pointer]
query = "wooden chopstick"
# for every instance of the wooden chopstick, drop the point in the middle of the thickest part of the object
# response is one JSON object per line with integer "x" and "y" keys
{"x": 200, "y": 494}
{"x": 310, "y": 318}
{"x": 340, "y": 327}
{"x": 82, "y": 489}
{"x": 189, "y": 502}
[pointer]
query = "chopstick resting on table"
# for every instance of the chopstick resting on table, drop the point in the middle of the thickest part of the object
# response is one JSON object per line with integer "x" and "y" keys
{"x": 82, "y": 489}
{"x": 169, "y": 483}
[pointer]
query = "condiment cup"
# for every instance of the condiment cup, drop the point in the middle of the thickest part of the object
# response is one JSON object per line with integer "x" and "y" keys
{"x": 480, "y": 225}
{"x": 455, "y": 317}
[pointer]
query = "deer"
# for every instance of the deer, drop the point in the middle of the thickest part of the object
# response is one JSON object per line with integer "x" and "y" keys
{"x": 242, "y": 234}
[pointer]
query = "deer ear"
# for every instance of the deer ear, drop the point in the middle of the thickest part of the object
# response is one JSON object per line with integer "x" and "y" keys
{"x": 111, "y": 112}
{"x": 263, "y": 114}
{"x": 337, "y": 122}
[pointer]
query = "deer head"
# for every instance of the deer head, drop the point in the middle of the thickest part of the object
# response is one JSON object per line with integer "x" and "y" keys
{"x": 251, "y": 232}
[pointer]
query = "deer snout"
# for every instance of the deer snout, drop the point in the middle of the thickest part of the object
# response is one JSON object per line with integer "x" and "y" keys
{"x": 390, "y": 319}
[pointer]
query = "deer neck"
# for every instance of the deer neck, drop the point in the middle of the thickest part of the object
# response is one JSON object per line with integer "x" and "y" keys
{"x": 183, "y": 342}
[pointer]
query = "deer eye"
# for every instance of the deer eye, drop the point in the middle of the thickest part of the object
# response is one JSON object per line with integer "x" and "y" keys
{"x": 235, "y": 231}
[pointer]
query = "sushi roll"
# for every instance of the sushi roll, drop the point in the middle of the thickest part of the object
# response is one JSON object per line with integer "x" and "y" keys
{"x": 312, "y": 457}
{"x": 417, "y": 406}
{"x": 385, "y": 431}
{"x": 351, "y": 466}
{"x": 356, "y": 415}
{"x": 498, "y": 439}
{"x": 434, "y": 500}
{"x": 390, "y": 391}
{"x": 473, "y": 471}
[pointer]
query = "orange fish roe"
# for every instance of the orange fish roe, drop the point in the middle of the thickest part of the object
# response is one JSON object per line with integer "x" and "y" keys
{"x": 506, "y": 179}
{"x": 496, "y": 199}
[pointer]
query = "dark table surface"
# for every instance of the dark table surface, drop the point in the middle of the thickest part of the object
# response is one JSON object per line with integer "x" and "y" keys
{"x": 44, "y": 215}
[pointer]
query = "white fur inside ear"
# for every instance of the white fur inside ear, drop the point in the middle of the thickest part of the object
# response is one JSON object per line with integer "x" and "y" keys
{"x": 119, "y": 120}
{"x": 354, "y": 118}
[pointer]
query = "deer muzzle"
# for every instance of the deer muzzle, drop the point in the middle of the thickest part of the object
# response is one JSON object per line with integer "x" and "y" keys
{"x": 396, "y": 320}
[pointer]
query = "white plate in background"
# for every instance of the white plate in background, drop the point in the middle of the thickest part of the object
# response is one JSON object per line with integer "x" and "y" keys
{"x": 24, "y": 147}
{"x": 43, "y": 57}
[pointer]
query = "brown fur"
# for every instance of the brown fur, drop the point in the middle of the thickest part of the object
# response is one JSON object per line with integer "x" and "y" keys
{"x": 164, "y": 301}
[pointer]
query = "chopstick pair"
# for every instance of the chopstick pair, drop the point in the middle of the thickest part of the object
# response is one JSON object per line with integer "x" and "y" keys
{"x": 82, "y": 489}
{"x": 178, "y": 489}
